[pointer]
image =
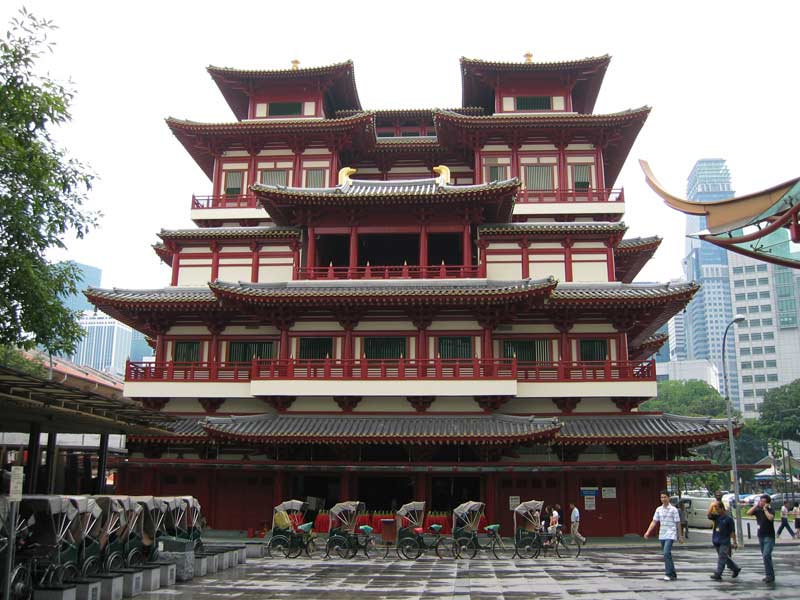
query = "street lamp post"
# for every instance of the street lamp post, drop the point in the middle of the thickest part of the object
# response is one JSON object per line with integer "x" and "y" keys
{"x": 734, "y": 469}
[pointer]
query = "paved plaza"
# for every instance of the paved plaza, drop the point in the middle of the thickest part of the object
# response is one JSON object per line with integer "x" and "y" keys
{"x": 634, "y": 573}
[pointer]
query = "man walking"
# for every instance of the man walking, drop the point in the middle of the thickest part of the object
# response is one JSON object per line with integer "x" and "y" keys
{"x": 724, "y": 538}
{"x": 785, "y": 521}
{"x": 666, "y": 516}
{"x": 766, "y": 534}
{"x": 575, "y": 523}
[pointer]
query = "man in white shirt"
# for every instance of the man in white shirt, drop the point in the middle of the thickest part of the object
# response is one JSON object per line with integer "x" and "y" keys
{"x": 668, "y": 519}
{"x": 554, "y": 517}
{"x": 575, "y": 523}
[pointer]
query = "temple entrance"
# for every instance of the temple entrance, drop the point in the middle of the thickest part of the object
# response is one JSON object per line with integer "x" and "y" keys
{"x": 385, "y": 494}
{"x": 302, "y": 486}
{"x": 388, "y": 249}
{"x": 449, "y": 492}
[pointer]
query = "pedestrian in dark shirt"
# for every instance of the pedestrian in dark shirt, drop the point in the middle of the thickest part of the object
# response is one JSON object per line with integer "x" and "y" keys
{"x": 724, "y": 538}
{"x": 766, "y": 534}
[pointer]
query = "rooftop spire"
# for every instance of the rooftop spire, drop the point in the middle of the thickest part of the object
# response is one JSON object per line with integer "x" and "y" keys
{"x": 295, "y": 64}
{"x": 528, "y": 57}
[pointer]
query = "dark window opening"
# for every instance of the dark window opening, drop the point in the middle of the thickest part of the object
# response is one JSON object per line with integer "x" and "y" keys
{"x": 385, "y": 134}
{"x": 316, "y": 348}
{"x": 388, "y": 249}
{"x": 528, "y": 350}
{"x": 385, "y": 494}
{"x": 445, "y": 247}
{"x": 593, "y": 350}
{"x": 333, "y": 249}
{"x": 384, "y": 453}
{"x": 455, "y": 347}
{"x": 534, "y": 102}
{"x": 285, "y": 109}
{"x": 315, "y": 486}
{"x": 448, "y": 492}
{"x": 247, "y": 351}
{"x": 186, "y": 352}
{"x": 409, "y": 134}
{"x": 381, "y": 348}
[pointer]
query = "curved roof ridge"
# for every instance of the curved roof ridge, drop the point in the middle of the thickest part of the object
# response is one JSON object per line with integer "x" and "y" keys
{"x": 290, "y": 71}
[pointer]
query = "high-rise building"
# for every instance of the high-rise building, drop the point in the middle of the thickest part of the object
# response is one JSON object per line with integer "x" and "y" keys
{"x": 90, "y": 277}
{"x": 106, "y": 345}
{"x": 768, "y": 342}
{"x": 677, "y": 337}
{"x": 709, "y": 313}
{"x": 140, "y": 349}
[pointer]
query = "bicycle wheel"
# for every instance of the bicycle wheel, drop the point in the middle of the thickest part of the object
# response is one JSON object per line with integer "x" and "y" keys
{"x": 409, "y": 548}
{"x": 337, "y": 546}
{"x": 370, "y": 547}
{"x": 115, "y": 562}
{"x": 278, "y": 547}
{"x": 90, "y": 566}
{"x": 69, "y": 572}
{"x": 445, "y": 548}
{"x": 503, "y": 550}
{"x": 311, "y": 548}
{"x": 466, "y": 548}
{"x": 135, "y": 558}
{"x": 529, "y": 546}
{"x": 566, "y": 547}
{"x": 295, "y": 548}
{"x": 21, "y": 587}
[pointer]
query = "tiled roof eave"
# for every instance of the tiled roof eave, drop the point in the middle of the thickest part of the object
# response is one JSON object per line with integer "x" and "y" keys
{"x": 587, "y": 62}
{"x": 255, "y": 126}
{"x": 542, "y": 120}
{"x": 233, "y": 233}
{"x": 472, "y": 192}
{"x": 551, "y": 228}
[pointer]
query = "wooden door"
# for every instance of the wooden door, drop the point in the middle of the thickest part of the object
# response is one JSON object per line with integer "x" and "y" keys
{"x": 242, "y": 500}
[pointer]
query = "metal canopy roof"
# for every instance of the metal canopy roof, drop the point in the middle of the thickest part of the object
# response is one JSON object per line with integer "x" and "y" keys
{"x": 61, "y": 408}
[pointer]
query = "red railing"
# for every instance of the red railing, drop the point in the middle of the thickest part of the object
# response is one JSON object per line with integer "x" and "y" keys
{"x": 225, "y": 201}
{"x": 387, "y": 272}
{"x": 402, "y": 369}
{"x": 584, "y": 195}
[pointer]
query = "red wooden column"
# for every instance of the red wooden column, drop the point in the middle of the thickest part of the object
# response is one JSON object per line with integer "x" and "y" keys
{"x": 491, "y": 497}
{"x": 334, "y": 178}
{"x": 346, "y": 486}
{"x": 284, "y": 343}
{"x": 526, "y": 264}
{"x": 214, "y": 261}
{"x": 482, "y": 246}
{"x": 278, "y": 488}
{"x": 478, "y": 174}
{"x": 562, "y": 171}
{"x": 297, "y": 163}
{"x": 423, "y": 249}
{"x": 311, "y": 253}
{"x": 612, "y": 275}
{"x": 176, "y": 266}
{"x": 353, "y": 260}
{"x": 466, "y": 239}
{"x": 567, "y": 243}
{"x": 254, "y": 248}
{"x": 421, "y": 488}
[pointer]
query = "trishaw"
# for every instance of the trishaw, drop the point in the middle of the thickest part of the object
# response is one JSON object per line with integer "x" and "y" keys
{"x": 50, "y": 547}
{"x": 409, "y": 521}
{"x": 150, "y": 527}
{"x": 182, "y": 520}
{"x": 112, "y": 531}
{"x": 85, "y": 532}
{"x": 291, "y": 531}
{"x": 466, "y": 522}
{"x": 192, "y": 521}
{"x": 21, "y": 582}
{"x": 527, "y": 523}
{"x": 343, "y": 540}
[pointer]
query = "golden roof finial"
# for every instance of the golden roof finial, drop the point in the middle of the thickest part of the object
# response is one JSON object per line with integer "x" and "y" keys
{"x": 443, "y": 175}
{"x": 344, "y": 175}
{"x": 528, "y": 57}
{"x": 295, "y": 64}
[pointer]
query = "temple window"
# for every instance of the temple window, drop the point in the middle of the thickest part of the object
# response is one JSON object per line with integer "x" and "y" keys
{"x": 409, "y": 134}
{"x": 454, "y": 347}
{"x": 539, "y": 177}
{"x": 315, "y": 178}
{"x": 186, "y": 352}
{"x": 275, "y": 176}
{"x": 247, "y": 351}
{"x": 534, "y": 103}
{"x": 315, "y": 348}
{"x": 285, "y": 109}
{"x": 593, "y": 350}
{"x": 381, "y": 348}
{"x": 234, "y": 182}
{"x": 385, "y": 133}
{"x": 529, "y": 350}
{"x": 581, "y": 177}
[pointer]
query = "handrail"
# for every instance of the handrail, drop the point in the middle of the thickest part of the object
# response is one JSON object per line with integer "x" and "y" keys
{"x": 388, "y": 272}
{"x": 392, "y": 369}
{"x": 571, "y": 195}
{"x": 224, "y": 201}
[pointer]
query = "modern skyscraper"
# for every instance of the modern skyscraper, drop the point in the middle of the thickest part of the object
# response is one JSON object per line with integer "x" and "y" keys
{"x": 106, "y": 345}
{"x": 709, "y": 313}
{"x": 90, "y": 277}
{"x": 140, "y": 349}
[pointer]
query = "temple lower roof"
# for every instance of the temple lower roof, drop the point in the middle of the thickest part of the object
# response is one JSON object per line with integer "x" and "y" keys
{"x": 637, "y": 429}
{"x": 230, "y": 233}
{"x": 551, "y": 228}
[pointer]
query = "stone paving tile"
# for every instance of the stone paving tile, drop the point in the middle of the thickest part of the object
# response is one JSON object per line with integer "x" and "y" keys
{"x": 633, "y": 573}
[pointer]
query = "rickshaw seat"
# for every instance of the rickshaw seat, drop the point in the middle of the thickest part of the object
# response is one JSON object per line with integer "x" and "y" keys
{"x": 418, "y": 530}
{"x": 366, "y": 529}
{"x": 493, "y": 528}
{"x": 436, "y": 528}
{"x": 306, "y": 527}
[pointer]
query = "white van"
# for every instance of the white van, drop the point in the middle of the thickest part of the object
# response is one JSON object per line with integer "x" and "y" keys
{"x": 696, "y": 508}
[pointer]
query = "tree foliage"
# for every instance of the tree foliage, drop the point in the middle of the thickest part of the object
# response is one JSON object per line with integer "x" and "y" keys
{"x": 42, "y": 193}
{"x": 691, "y": 398}
{"x": 780, "y": 412}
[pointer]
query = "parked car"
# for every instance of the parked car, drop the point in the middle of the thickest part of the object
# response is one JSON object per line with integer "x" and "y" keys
{"x": 750, "y": 499}
{"x": 780, "y": 498}
{"x": 696, "y": 509}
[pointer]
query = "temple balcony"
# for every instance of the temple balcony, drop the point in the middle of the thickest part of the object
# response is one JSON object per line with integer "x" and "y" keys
{"x": 388, "y": 272}
{"x": 227, "y": 207}
{"x": 588, "y": 201}
{"x": 368, "y": 377}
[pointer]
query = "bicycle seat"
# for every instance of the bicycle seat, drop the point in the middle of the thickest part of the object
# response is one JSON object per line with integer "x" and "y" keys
{"x": 436, "y": 528}
{"x": 306, "y": 527}
{"x": 418, "y": 530}
{"x": 493, "y": 528}
{"x": 366, "y": 529}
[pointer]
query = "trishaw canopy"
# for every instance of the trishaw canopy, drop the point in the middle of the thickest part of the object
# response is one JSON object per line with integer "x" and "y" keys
{"x": 468, "y": 507}
{"x": 351, "y": 506}
{"x": 411, "y": 507}
{"x": 529, "y": 506}
{"x": 294, "y": 505}
{"x": 54, "y": 505}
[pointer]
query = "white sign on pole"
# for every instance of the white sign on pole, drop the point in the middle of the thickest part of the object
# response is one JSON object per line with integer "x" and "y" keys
{"x": 589, "y": 502}
{"x": 609, "y": 492}
{"x": 15, "y": 491}
{"x": 513, "y": 502}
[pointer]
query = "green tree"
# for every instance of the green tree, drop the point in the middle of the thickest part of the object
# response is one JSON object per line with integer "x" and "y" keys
{"x": 780, "y": 412}
{"x": 42, "y": 193}
{"x": 691, "y": 398}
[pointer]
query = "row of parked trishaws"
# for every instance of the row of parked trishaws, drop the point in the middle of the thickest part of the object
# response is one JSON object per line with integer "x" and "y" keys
{"x": 292, "y": 533}
{"x": 65, "y": 539}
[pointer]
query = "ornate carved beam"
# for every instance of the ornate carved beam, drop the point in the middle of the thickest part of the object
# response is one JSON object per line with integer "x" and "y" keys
{"x": 347, "y": 403}
{"x": 490, "y": 404}
{"x": 279, "y": 403}
{"x": 211, "y": 405}
{"x": 421, "y": 403}
{"x": 566, "y": 405}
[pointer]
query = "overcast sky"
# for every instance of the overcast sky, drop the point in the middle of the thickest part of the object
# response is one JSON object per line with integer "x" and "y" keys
{"x": 721, "y": 78}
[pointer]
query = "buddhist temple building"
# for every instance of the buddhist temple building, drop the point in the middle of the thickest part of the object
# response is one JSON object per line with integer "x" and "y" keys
{"x": 396, "y": 305}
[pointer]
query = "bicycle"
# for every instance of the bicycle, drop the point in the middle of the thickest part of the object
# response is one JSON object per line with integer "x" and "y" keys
{"x": 346, "y": 544}
{"x": 468, "y": 546}
{"x": 564, "y": 546}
